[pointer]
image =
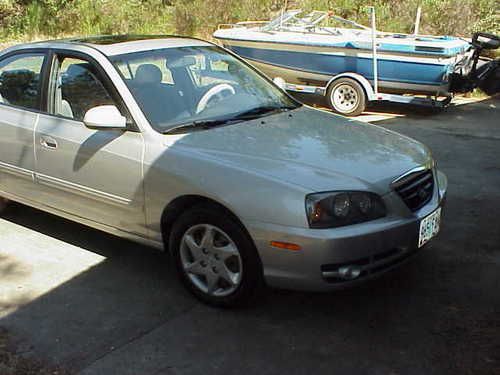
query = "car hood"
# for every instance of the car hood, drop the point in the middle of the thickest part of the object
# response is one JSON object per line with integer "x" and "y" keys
{"x": 310, "y": 148}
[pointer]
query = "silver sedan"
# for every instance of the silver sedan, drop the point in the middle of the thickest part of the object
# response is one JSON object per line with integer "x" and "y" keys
{"x": 179, "y": 144}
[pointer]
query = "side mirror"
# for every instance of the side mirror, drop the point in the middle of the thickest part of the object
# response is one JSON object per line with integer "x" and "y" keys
{"x": 104, "y": 117}
{"x": 280, "y": 82}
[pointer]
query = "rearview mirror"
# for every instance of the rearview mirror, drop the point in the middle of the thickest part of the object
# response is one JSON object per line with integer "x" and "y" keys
{"x": 104, "y": 117}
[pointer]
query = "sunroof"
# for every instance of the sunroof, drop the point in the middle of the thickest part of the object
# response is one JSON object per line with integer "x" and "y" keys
{"x": 113, "y": 39}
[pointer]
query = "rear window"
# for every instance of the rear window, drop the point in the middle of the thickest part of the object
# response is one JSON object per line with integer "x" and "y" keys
{"x": 20, "y": 80}
{"x": 129, "y": 68}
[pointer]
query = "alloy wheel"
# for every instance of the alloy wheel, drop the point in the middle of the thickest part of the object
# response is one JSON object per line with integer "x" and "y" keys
{"x": 211, "y": 260}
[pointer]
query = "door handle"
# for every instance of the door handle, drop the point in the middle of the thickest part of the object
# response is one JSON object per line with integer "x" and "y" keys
{"x": 48, "y": 142}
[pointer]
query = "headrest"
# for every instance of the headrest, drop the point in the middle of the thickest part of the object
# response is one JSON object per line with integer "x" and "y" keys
{"x": 78, "y": 70}
{"x": 19, "y": 77}
{"x": 148, "y": 73}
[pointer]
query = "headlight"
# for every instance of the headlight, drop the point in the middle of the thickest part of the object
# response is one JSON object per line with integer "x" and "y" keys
{"x": 337, "y": 209}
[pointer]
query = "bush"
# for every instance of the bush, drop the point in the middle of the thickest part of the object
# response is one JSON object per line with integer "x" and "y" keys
{"x": 53, "y": 18}
{"x": 201, "y": 17}
{"x": 439, "y": 17}
{"x": 28, "y": 19}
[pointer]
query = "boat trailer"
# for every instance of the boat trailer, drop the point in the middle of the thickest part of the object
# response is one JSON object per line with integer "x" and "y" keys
{"x": 476, "y": 72}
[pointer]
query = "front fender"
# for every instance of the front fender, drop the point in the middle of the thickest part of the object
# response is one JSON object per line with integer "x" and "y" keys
{"x": 247, "y": 194}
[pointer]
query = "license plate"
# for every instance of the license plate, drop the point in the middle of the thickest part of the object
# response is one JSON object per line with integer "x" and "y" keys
{"x": 429, "y": 227}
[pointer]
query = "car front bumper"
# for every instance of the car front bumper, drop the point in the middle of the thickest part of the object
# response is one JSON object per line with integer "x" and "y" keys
{"x": 373, "y": 248}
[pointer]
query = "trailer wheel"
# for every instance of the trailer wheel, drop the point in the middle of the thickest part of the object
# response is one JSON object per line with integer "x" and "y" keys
{"x": 346, "y": 96}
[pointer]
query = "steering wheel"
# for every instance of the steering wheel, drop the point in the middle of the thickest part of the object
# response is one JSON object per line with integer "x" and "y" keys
{"x": 214, "y": 91}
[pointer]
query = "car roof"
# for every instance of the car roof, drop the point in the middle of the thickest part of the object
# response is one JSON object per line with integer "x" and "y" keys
{"x": 120, "y": 44}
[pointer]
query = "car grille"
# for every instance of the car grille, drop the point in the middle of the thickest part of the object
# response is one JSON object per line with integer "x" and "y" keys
{"x": 415, "y": 189}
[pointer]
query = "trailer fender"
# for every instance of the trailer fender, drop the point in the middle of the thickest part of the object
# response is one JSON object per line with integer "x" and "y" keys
{"x": 370, "y": 94}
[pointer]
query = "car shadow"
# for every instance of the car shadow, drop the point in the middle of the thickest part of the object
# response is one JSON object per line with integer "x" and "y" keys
{"x": 130, "y": 292}
{"x": 134, "y": 290}
{"x": 92, "y": 145}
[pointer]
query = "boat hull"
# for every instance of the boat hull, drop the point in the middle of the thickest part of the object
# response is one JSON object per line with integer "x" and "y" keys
{"x": 313, "y": 65}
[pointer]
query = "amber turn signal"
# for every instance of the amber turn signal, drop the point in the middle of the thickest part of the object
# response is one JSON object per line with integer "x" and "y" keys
{"x": 286, "y": 245}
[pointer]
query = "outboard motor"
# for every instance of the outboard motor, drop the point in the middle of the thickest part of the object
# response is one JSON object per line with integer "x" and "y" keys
{"x": 488, "y": 77}
{"x": 484, "y": 73}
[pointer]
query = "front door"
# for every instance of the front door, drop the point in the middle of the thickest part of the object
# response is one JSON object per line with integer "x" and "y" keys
{"x": 20, "y": 87}
{"x": 93, "y": 174}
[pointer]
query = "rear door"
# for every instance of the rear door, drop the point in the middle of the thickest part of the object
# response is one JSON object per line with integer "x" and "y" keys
{"x": 20, "y": 103}
{"x": 93, "y": 174}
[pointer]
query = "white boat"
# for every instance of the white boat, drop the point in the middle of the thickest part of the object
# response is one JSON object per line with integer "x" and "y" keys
{"x": 310, "y": 57}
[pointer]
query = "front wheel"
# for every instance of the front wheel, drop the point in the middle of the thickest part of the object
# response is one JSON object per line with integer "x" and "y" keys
{"x": 346, "y": 97}
{"x": 214, "y": 257}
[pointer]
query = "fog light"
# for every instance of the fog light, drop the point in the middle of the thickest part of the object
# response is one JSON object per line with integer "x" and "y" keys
{"x": 349, "y": 272}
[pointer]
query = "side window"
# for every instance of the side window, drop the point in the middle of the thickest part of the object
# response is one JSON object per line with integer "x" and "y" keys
{"x": 78, "y": 88}
{"x": 20, "y": 80}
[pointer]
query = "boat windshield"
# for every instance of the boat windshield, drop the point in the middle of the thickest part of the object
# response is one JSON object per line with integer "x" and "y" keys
{"x": 197, "y": 84}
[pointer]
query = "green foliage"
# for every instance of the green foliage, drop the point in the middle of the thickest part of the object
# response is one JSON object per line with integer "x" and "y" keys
{"x": 444, "y": 17}
{"x": 28, "y": 19}
{"x": 51, "y": 18}
{"x": 201, "y": 17}
{"x": 465, "y": 16}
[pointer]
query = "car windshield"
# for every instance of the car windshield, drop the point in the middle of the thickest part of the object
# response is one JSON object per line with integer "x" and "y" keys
{"x": 195, "y": 85}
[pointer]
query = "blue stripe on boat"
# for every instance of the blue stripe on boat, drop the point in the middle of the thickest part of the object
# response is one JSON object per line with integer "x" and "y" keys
{"x": 436, "y": 50}
{"x": 388, "y": 70}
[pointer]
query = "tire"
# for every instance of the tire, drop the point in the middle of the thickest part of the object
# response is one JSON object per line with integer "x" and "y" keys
{"x": 346, "y": 97}
{"x": 206, "y": 261}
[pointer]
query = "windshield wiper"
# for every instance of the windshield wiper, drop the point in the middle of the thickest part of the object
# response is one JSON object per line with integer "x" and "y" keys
{"x": 245, "y": 115}
{"x": 200, "y": 125}
{"x": 263, "y": 110}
